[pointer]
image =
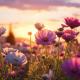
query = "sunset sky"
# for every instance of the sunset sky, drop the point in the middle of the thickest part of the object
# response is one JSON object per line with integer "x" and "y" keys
{"x": 23, "y": 14}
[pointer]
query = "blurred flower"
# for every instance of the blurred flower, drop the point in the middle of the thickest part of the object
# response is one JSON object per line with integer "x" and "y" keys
{"x": 49, "y": 75}
{"x": 59, "y": 33}
{"x": 16, "y": 58}
{"x": 35, "y": 47}
{"x": 12, "y": 73}
{"x": 71, "y": 68}
{"x": 29, "y": 33}
{"x": 39, "y": 26}
{"x": 72, "y": 22}
{"x": 45, "y": 37}
{"x": 69, "y": 35}
{"x": 2, "y": 30}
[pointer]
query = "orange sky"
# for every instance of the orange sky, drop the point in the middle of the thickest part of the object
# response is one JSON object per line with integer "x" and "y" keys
{"x": 23, "y": 20}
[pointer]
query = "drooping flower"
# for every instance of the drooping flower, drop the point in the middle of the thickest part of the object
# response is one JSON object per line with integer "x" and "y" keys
{"x": 69, "y": 35}
{"x": 71, "y": 68}
{"x": 39, "y": 26}
{"x": 16, "y": 58}
{"x": 45, "y": 37}
{"x": 2, "y": 30}
{"x": 72, "y": 22}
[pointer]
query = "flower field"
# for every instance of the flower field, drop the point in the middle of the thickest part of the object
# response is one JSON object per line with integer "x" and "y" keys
{"x": 54, "y": 56}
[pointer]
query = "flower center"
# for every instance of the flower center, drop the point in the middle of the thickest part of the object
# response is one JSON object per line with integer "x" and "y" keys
{"x": 45, "y": 39}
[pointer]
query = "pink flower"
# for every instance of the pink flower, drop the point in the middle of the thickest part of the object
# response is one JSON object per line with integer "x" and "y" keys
{"x": 71, "y": 68}
{"x": 45, "y": 37}
{"x": 69, "y": 35}
{"x": 72, "y": 22}
{"x": 39, "y": 26}
{"x": 13, "y": 73}
{"x": 16, "y": 58}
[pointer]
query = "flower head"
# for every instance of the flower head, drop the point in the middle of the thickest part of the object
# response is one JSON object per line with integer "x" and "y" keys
{"x": 2, "y": 30}
{"x": 59, "y": 33}
{"x": 45, "y": 37}
{"x": 72, "y": 22}
{"x": 71, "y": 68}
{"x": 16, "y": 58}
{"x": 29, "y": 33}
{"x": 39, "y": 26}
{"x": 69, "y": 35}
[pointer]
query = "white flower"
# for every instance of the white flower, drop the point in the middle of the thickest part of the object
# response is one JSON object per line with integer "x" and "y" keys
{"x": 16, "y": 58}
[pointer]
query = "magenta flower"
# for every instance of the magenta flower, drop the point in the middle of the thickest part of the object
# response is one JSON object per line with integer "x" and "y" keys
{"x": 69, "y": 35}
{"x": 72, "y": 22}
{"x": 71, "y": 68}
{"x": 45, "y": 37}
{"x": 59, "y": 33}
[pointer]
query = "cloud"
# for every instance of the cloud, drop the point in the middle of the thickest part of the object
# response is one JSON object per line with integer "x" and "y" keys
{"x": 25, "y": 4}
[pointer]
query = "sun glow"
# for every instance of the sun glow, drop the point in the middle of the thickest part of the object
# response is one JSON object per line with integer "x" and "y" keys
{"x": 23, "y": 20}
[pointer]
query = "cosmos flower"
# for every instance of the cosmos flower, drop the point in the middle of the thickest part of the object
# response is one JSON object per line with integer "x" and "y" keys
{"x": 45, "y": 37}
{"x": 71, "y": 68}
{"x": 39, "y": 26}
{"x": 72, "y": 22}
{"x": 16, "y": 58}
{"x": 2, "y": 30}
{"x": 69, "y": 35}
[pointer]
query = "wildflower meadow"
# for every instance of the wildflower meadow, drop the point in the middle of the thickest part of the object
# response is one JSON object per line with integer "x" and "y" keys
{"x": 54, "y": 55}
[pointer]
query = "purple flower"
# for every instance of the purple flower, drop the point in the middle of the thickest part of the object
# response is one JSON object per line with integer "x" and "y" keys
{"x": 72, "y": 22}
{"x": 71, "y": 67}
{"x": 45, "y": 37}
{"x": 59, "y": 33}
{"x": 69, "y": 35}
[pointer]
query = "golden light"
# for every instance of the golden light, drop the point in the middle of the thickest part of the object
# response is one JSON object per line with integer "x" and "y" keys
{"x": 52, "y": 19}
